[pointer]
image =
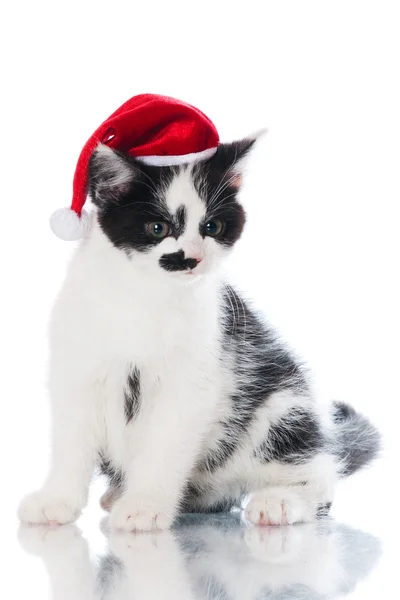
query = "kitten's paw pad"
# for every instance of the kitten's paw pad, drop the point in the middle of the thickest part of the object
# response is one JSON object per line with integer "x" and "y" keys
{"x": 277, "y": 506}
{"x": 42, "y": 508}
{"x": 130, "y": 515}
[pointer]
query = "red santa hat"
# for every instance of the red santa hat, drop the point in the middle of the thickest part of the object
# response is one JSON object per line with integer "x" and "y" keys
{"x": 157, "y": 130}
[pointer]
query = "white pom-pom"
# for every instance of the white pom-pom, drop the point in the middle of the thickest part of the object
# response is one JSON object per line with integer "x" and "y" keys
{"x": 66, "y": 224}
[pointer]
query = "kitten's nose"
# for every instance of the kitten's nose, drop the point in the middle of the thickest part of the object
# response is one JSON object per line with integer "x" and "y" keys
{"x": 192, "y": 262}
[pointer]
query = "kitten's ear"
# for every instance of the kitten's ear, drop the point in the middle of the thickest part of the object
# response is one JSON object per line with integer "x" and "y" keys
{"x": 230, "y": 159}
{"x": 110, "y": 175}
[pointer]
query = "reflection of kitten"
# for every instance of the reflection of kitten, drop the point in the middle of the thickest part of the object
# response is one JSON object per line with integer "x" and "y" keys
{"x": 167, "y": 374}
{"x": 313, "y": 560}
{"x": 208, "y": 559}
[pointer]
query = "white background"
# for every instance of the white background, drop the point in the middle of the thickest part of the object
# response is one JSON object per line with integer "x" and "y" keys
{"x": 321, "y": 251}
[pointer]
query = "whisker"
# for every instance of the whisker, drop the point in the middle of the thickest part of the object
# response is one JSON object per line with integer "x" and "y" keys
{"x": 228, "y": 290}
{"x": 244, "y": 317}
{"x": 215, "y": 208}
{"x": 223, "y": 184}
{"x": 217, "y": 190}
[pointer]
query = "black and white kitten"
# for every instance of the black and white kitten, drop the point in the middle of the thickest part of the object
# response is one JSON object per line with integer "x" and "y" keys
{"x": 162, "y": 373}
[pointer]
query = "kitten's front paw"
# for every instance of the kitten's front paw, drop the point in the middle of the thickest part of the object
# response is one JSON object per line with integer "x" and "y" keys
{"x": 129, "y": 514}
{"x": 45, "y": 508}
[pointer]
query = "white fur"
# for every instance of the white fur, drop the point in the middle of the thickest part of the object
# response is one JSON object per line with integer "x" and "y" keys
{"x": 115, "y": 312}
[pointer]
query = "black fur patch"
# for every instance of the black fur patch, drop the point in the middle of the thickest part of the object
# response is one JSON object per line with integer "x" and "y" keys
{"x": 295, "y": 438}
{"x": 262, "y": 366}
{"x": 124, "y": 213}
{"x": 132, "y": 395}
{"x": 180, "y": 221}
{"x": 176, "y": 261}
{"x": 216, "y": 183}
{"x": 232, "y": 214}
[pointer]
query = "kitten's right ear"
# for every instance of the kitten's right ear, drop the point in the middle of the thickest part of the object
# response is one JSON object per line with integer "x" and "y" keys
{"x": 110, "y": 175}
{"x": 231, "y": 158}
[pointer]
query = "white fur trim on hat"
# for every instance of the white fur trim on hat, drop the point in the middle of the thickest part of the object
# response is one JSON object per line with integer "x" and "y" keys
{"x": 68, "y": 226}
{"x": 181, "y": 159}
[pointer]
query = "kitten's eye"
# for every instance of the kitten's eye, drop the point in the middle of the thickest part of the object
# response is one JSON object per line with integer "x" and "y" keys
{"x": 158, "y": 229}
{"x": 213, "y": 228}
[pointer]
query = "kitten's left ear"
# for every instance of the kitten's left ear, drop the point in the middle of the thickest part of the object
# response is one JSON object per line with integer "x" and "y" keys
{"x": 230, "y": 159}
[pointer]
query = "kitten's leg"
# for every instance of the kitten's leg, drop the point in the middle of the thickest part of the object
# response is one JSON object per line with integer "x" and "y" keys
{"x": 159, "y": 470}
{"x": 296, "y": 493}
{"x": 75, "y": 442}
{"x": 299, "y": 471}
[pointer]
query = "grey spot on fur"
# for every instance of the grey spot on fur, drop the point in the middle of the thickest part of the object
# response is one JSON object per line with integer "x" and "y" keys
{"x": 357, "y": 442}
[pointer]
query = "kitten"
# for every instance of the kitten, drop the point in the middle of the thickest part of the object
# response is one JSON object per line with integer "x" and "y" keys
{"x": 166, "y": 378}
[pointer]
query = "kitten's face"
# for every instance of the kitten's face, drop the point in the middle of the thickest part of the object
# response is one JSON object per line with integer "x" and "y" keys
{"x": 176, "y": 221}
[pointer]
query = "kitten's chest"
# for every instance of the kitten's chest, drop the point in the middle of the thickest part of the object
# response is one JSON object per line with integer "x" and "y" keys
{"x": 147, "y": 332}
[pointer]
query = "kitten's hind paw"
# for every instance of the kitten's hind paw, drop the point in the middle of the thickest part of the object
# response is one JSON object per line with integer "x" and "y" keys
{"x": 280, "y": 506}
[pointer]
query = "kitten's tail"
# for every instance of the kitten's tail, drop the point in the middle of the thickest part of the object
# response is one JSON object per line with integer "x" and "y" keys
{"x": 356, "y": 441}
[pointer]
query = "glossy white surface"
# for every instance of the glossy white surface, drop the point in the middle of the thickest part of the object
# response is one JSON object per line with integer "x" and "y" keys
{"x": 208, "y": 558}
